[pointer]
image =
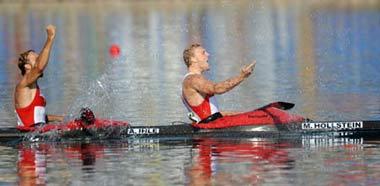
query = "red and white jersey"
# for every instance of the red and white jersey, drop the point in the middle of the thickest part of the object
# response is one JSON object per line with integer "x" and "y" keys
{"x": 205, "y": 109}
{"x": 33, "y": 113}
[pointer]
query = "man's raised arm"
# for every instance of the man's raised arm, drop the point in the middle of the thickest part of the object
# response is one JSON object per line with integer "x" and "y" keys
{"x": 43, "y": 57}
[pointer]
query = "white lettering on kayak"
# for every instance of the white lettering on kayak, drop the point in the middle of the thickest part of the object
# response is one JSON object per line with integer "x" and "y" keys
{"x": 134, "y": 131}
{"x": 342, "y": 125}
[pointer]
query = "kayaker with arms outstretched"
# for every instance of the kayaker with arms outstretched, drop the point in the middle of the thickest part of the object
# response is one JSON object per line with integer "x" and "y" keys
{"x": 198, "y": 92}
{"x": 29, "y": 101}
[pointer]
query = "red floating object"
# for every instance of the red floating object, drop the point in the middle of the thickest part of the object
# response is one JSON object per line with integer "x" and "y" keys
{"x": 114, "y": 50}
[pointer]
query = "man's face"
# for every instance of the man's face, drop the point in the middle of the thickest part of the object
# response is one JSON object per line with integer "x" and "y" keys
{"x": 201, "y": 57}
{"x": 32, "y": 57}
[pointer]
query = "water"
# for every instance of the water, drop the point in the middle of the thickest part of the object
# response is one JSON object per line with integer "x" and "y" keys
{"x": 220, "y": 161}
{"x": 322, "y": 56}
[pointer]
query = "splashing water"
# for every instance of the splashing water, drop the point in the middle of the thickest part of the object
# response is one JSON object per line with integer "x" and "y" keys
{"x": 97, "y": 95}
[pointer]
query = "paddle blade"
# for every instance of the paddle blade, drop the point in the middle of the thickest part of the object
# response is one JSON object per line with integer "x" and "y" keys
{"x": 280, "y": 105}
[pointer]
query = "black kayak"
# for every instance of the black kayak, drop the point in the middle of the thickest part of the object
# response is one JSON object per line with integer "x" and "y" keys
{"x": 332, "y": 128}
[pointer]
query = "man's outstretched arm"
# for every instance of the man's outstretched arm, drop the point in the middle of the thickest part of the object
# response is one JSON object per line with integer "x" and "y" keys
{"x": 205, "y": 86}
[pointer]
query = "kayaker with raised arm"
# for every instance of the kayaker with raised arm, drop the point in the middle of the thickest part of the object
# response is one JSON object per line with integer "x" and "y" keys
{"x": 198, "y": 92}
{"x": 29, "y": 102}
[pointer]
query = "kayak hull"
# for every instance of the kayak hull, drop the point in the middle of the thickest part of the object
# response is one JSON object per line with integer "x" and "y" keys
{"x": 352, "y": 129}
{"x": 269, "y": 121}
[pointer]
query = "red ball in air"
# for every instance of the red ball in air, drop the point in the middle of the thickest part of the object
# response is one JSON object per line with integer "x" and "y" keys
{"x": 114, "y": 50}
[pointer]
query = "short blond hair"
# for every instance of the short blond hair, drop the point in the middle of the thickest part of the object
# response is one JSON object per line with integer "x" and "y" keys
{"x": 189, "y": 52}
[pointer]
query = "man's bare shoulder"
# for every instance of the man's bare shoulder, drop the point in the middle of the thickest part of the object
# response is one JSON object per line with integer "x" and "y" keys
{"x": 192, "y": 79}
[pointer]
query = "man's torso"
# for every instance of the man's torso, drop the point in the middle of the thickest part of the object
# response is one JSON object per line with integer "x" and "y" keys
{"x": 201, "y": 105}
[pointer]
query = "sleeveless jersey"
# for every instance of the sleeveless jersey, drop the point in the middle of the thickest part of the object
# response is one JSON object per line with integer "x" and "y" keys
{"x": 203, "y": 110}
{"x": 34, "y": 113}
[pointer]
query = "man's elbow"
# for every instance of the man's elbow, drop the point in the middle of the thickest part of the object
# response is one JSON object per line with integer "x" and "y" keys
{"x": 218, "y": 90}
